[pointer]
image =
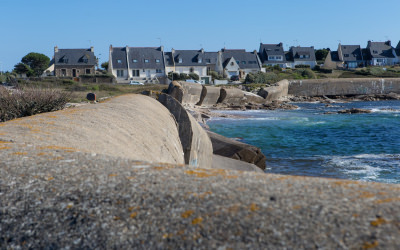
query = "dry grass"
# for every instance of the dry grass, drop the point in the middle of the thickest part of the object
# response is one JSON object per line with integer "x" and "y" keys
{"x": 30, "y": 101}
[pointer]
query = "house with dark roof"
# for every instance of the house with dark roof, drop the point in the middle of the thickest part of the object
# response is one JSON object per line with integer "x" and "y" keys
{"x": 237, "y": 62}
{"x": 301, "y": 56}
{"x": 332, "y": 61}
{"x": 273, "y": 54}
{"x": 144, "y": 64}
{"x": 398, "y": 52}
{"x": 74, "y": 62}
{"x": 381, "y": 54}
{"x": 351, "y": 56}
{"x": 192, "y": 61}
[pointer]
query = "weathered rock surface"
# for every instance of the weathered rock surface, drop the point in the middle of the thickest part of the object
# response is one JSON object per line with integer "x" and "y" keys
{"x": 275, "y": 92}
{"x": 226, "y": 147}
{"x": 232, "y": 96}
{"x": 191, "y": 93}
{"x": 130, "y": 126}
{"x": 221, "y": 162}
{"x": 55, "y": 199}
{"x": 196, "y": 145}
{"x": 354, "y": 111}
{"x": 176, "y": 91}
{"x": 209, "y": 96}
{"x": 253, "y": 98}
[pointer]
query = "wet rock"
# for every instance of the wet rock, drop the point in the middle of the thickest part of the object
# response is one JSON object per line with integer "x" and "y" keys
{"x": 354, "y": 111}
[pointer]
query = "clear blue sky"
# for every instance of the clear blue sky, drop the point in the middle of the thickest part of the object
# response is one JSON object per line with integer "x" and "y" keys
{"x": 37, "y": 26}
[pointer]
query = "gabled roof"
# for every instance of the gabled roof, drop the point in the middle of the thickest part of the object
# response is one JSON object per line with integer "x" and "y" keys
{"x": 271, "y": 50}
{"x": 353, "y": 53}
{"x": 146, "y": 58}
{"x": 380, "y": 49}
{"x": 301, "y": 53}
{"x": 247, "y": 60}
{"x": 138, "y": 57}
{"x": 189, "y": 57}
{"x": 74, "y": 57}
{"x": 334, "y": 56}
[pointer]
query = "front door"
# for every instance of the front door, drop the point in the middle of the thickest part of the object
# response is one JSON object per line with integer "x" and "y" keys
{"x": 73, "y": 72}
{"x": 148, "y": 73}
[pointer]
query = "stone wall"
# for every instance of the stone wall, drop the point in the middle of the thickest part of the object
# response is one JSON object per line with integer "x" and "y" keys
{"x": 344, "y": 87}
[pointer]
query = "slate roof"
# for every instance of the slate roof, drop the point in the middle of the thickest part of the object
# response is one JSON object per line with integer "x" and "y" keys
{"x": 145, "y": 58}
{"x": 189, "y": 57}
{"x": 296, "y": 52}
{"x": 247, "y": 60}
{"x": 334, "y": 56}
{"x": 380, "y": 50}
{"x": 271, "y": 50}
{"x": 75, "y": 57}
{"x": 353, "y": 51}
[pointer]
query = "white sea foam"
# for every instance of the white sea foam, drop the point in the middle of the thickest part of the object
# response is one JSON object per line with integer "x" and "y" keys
{"x": 385, "y": 110}
{"x": 367, "y": 167}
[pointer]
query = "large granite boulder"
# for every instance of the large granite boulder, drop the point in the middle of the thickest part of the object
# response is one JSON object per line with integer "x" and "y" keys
{"x": 253, "y": 98}
{"x": 231, "y": 96}
{"x": 191, "y": 93}
{"x": 209, "y": 96}
{"x": 275, "y": 92}
{"x": 176, "y": 91}
{"x": 226, "y": 147}
{"x": 197, "y": 147}
{"x": 134, "y": 127}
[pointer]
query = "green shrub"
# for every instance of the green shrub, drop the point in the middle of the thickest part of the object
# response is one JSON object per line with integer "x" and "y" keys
{"x": 261, "y": 77}
{"x": 27, "y": 102}
{"x": 308, "y": 73}
{"x": 194, "y": 76}
{"x": 302, "y": 66}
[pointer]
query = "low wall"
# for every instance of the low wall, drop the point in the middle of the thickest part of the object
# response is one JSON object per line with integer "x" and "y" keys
{"x": 338, "y": 87}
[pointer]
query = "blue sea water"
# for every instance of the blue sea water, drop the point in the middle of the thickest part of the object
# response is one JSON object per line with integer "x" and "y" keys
{"x": 308, "y": 142}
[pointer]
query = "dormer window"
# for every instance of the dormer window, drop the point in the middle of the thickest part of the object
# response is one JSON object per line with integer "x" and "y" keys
{"x": 119, "y": 61}
{"x": 243, "y": 62}
{"x": 208, "y": 60}
{"x": 85, "y": 60}
{"x": 64, "y": 60}
{"x": 375, "y": 52}
{"x": 237, "y": 62}
{"x": 146, "y": 60}
{"x": 346, "y": 55}
{"x": 180, "y": 60}
{"x": 200, "y": 60}
{"x": 157, "y": 60}
{"x": 134, "y": 61}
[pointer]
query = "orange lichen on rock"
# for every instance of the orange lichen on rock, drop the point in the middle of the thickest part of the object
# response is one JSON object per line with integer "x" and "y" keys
{"x": 187, "y": 214}
{"x": 368, "y": 245}
{"x": 133, "y": 215}
{"x": 66, "y": 149}
{"x": 19, "y": 153}
{"x": 253, "y": 207}
{"x": 379, "y": 221}
{"x": 196, "y": 221}
{"x": 394, "y": 199}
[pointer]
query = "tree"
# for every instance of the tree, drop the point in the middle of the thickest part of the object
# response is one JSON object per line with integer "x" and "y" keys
{"x": 37, "y": 62}
{"x": 104, "y": 65}
{"x": 320, "y": 54}
{"x": 22, "y": 68}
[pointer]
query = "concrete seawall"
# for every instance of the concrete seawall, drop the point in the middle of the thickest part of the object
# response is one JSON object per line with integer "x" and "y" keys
{"x": 345, "y": 86}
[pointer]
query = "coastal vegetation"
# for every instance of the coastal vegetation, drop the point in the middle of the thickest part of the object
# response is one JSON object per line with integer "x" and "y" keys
{"x": 33, "y": 64}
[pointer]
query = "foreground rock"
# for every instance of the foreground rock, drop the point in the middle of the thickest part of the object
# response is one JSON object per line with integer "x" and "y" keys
{"x": 226, "y": 147}
{"x": 70, "y": 200}
{"x": 275, "y": 92}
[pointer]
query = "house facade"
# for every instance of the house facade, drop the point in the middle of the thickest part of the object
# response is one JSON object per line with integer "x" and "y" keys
{"x": 237, "y": 63}
{"x": 301, "y": 56}
{"x": 381, "y": 54}
{"x": 351, "y": 56}
{"x": 144, "y": 64}
{"x": 74, "y": 62}
{"x": 273, "y": 54}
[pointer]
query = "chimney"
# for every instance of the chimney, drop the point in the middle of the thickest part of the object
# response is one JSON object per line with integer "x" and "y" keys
{"x": 369, "y": 43}
{"x": 162, "y": 48}
{"x": 56, "y": 49}
{"x": 202, "y": 50}
{"x": 280, "y": 44}
{"x": 255, "y": 51}
{"x": 388, "y": 43}
{"x": 91, "y": 49}
{"x": 172, "y": 51}
{"x": 111, "y": 48}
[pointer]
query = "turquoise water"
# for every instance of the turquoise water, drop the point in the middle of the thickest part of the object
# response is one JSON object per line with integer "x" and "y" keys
{"x": 308, "y": 142}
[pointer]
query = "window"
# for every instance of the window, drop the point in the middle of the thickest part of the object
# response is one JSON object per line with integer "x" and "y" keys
{"x": 237, "y": 62}
{"x": 379, "y": 60}
{"x": 200, "y": 60}
{"x": 157, "y": 60}
{"x": 232, "y": 63}
{"x": 134, "y": 60}
{"x": 65, "y": 60}
{"x": 158, "y": 71}
{"x": 146, "y": 60}
{"x": 271, "y": 58}
{"x": 375, "y": 52}
{"x": 87, "y": 71}
{"x": 346, "y": 55}
{"x": 135, "y": 72}
{"x": 119, "y": 61}
{"x": 243, "y": 62}
{"x": 63, "y": 72}
{"x": 120, "y": 73}
{"x": 85, "y": 60}
{"x": 208, "y": 61}
{"x": 276, "y": 49}
{"x": 191, "y": 70}
{"x": 180, "y": 60}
